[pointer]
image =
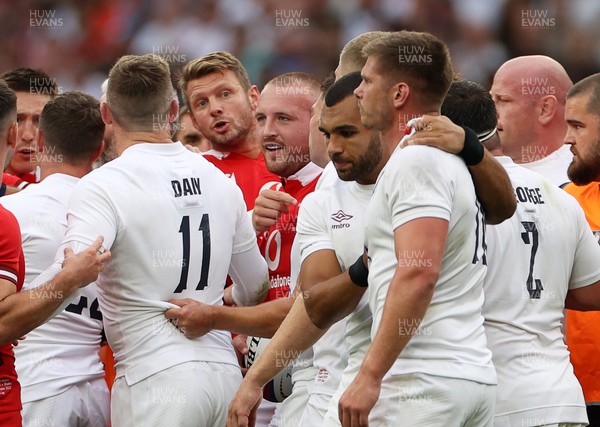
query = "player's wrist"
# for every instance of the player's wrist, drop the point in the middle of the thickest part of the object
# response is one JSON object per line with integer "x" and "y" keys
{"x": 359, "y": 273}
{"x": 253, "y": 378}
{"x": 472, "y": 152}
{"x": 63, "y": 284}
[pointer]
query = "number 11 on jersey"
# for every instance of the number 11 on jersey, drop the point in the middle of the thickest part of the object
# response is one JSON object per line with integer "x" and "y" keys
{"x": 184, "y": 229}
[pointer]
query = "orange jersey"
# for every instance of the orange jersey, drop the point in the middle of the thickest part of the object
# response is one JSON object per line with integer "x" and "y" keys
{"x": 583, "y": 327}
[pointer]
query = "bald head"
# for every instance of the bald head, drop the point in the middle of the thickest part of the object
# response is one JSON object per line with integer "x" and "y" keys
{"x": 537, "y": 75}
{"x": 530, "y": 93}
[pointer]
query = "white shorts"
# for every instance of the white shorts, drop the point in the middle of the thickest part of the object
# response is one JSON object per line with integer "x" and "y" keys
{"x": 293, "y": 406}
{"x": 315, "y": 411}
{"x": 190, "y": 394}
{"x": 83, "y": 405}
{"x": 426, "y": 400}
{"x": 266, "y": 414}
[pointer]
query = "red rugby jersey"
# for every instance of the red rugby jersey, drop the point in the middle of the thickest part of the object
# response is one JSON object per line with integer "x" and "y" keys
{"x": 276, "y": 243}
{"x": 251, "y": 175}
{"x": 12, "y": 269}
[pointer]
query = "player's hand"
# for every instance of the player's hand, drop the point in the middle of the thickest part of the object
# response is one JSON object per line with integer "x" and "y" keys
{"x": 83, "y": 268}
{"x": 194, "y": 319}
{"x": 358, "y": 400}
{"x": 268, "y": 206}
{"x": 240, "y": 344}
{"x": 438, "y": 132}
{"x": 242, "y": 408}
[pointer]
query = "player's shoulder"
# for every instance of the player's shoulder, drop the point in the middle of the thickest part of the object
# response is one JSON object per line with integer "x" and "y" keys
{"x": 323, "y": 195}
{"x": 426, "y": 157}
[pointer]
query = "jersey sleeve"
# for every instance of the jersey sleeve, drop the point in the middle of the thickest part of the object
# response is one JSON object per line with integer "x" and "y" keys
{"x": 245, "y": 236}
{"x": 312, "y": 234}
{"x": 586, "y": 262}
{"x": 90, "y": 214}
{"x": 10, "y": 247}
{"x": 418, "y": 183}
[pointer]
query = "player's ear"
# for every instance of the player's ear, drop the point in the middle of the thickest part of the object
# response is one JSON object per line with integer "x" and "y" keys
{"x": 105, "y": 112}
{"x": 11, "y": 139}
{"x": 173, "y": 111}
{"x": 548, "y": 106}
{"x": 96, "y": 154}
{"x": 400, "y": 94}
{"x": 39, "y": 140}
{"x": 253, "y": 95}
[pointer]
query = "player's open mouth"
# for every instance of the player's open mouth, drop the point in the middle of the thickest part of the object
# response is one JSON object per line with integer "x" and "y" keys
{"x": 273, "y": 147}
{"x": 221, "y": 126}
{"x": 26, "y": 152}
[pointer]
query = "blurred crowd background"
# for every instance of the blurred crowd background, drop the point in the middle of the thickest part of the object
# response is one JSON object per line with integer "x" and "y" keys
{"x": 77, "y": 41}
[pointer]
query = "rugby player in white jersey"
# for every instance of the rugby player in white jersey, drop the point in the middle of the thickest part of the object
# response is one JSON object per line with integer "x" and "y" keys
{"x": 297, "y": 332}
{"x": 61, "y": 376}
{"x": 177, "y": 226}
{"x": 23, "y": 311}
{"x": 524, "y": 304}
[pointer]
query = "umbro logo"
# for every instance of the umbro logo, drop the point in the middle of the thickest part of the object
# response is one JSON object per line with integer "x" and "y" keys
{"x": 340, "y": 216}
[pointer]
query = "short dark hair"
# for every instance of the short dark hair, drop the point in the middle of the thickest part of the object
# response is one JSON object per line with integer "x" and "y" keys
{"x": 421, "y": 59}
{"x": 140, "y": 92}
{"x": 342, "y": 88}
{"x": 216, "y": 62}
{"x": 72, "y": 126}
{"x": 469, "y": 104}
{"x": 8, "y": 106}
{"x": 28, "y": 80}
{"x": 590, "y": 85}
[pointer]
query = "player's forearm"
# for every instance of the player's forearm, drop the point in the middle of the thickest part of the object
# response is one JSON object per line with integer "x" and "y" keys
{"x": 295, "y": 335}
{"x": 584, "y": 299}
{"x": 330, "y": 301}
{"x": 261, "y": 320}
{"x": 494, "y": 190}
{"x": 407, "y": 300}
{"x": 21, "y": 312}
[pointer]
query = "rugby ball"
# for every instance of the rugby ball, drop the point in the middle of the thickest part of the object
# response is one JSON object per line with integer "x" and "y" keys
{"x": 279, "y": 387}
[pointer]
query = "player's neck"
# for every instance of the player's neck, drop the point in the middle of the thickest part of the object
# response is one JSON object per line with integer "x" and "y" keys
{"x": 50, "y": 168}
{"x": 393, "y": 135}
{"x": 247, "y": 147}
{"x": 124, "y": 140}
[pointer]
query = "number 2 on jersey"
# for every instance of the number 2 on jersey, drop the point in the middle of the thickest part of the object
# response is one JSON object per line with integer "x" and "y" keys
{"x": 534, "y": 286}
{"x": 184, "y": 228}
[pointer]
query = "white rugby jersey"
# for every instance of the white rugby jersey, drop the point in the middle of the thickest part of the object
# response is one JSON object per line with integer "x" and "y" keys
{"x": 172, "y": 221}
{"x": 420, "y": 182}
{"x": 534, "y": 258}
{"x": 303, "y": 370}
{"x": 553, "y": 167}
{"x": 63, "y": 351}
{"x": 333, "y": 218}
{"x": 328, "y": 176}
